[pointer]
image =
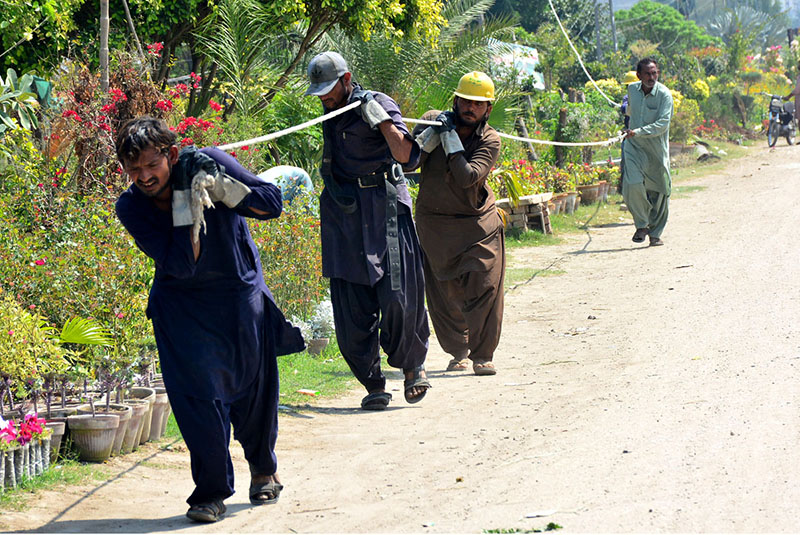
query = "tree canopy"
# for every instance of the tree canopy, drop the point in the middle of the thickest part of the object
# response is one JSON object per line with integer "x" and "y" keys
{"x": 662, "y": 25}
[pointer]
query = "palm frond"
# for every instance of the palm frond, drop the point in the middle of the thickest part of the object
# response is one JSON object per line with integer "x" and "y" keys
{"x": 85, "y": 331}
{"x": 237, "y": 43}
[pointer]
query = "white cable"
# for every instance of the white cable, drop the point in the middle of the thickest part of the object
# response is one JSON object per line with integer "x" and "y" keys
{"x": 292, "y": 129}
{"x": 353, "y": 105}
{"x": 609, "y": 141}
{"x": 577, "y": 55}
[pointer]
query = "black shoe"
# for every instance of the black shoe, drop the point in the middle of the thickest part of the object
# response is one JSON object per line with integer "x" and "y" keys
{"x": 654, "y": 242}
{"x": 639, "y": 235}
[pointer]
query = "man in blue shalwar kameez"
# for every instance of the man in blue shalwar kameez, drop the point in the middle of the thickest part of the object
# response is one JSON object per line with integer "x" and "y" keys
{"x": 370, "y": 249}
{"x": 217, "y": 327}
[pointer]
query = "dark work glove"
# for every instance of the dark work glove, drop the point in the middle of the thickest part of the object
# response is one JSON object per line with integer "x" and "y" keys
{"x": 371, "y": 111}
{"x": 448, "y": 120}
{"x": 190, "y": 162}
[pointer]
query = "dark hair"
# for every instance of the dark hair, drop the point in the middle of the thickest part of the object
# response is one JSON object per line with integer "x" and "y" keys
{"x": 644, "y": 63}
{"x": 138, "y": 134}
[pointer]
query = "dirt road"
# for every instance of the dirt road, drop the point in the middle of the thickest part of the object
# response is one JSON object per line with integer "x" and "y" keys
{"x": 641, "y": 390}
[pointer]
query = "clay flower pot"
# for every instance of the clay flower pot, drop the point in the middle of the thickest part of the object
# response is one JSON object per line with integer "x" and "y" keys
{"x": 316, "y": 345}
{"x": 9, "y": 475}
{"x": 93, "y": 436}
{"x": 589, "y": 193}
{"x": 161, "y": 412}
{"x": 58, "y": 429}
{"x": 149, "y": 395}
{"x": 139, "y": 410}
{"x": 123, "y": 411}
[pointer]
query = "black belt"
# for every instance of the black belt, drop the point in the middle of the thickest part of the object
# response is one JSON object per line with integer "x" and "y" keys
{"x": 389, "y": 179}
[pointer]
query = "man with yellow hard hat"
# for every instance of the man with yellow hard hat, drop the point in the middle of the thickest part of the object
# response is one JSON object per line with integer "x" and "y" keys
{"x": 460, "y": 231}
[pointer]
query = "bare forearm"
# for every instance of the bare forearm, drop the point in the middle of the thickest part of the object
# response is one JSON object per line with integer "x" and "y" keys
{"x": 399, "y": 145}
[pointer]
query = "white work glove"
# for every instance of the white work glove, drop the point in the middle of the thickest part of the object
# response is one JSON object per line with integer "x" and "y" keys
{"x": 371, "y": 111}
{"x": 428, "y": 139}
{"x": 225, "y": 189}
{"x": 181, "y": 207}
{"x": 451, "y": 143}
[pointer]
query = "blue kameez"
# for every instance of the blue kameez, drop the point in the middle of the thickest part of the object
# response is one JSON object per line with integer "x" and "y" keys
{"x": 216, "y": 324}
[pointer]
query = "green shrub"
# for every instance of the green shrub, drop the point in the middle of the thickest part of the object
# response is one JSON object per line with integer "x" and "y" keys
{"x": 685, "y": 120}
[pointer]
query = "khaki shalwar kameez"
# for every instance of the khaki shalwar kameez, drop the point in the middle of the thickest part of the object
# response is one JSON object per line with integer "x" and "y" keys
{"x": 646, "y": 182}
{"x": 462, "y": 240}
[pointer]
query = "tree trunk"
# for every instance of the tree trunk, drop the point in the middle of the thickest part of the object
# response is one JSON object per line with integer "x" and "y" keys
{"x": 314, "y": 33}
{"x": 104, "y": 45}
{"x": 133, "y": 31}
{"x": 523, "y": 132}
{"x": 560, "y": 152}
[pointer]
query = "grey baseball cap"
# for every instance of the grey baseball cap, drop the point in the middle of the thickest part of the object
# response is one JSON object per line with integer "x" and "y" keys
{"x": 324, "y": 71}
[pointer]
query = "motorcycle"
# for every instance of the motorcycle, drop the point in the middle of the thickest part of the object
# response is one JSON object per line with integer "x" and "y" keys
{"x": 781, "y": 120}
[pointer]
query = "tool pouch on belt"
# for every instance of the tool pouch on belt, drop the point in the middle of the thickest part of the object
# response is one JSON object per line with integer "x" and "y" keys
{"x": 394, "y": 177}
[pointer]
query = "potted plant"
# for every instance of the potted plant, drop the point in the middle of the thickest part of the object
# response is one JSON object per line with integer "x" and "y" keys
{"x": 319, "y": 328}
{"x": 8, "y": 444}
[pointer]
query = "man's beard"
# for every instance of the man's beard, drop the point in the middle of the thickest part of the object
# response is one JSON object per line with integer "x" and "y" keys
{"x": 470, "y": 122}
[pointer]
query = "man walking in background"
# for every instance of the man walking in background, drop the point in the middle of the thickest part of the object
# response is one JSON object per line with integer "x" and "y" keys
{"x": 646, "y": 182}
{"x": 460, "y": 231}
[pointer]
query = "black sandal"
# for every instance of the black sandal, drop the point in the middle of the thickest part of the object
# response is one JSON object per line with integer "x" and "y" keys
{"x": 376, "y": 401}
{"x": 416, "y": 381}
{"x": 270, "y": 488}
{"x": 206, "y": 512}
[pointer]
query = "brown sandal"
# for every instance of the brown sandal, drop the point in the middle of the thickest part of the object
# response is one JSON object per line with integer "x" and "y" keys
{"x": 483, "y": 367}
{"x": 456, "y": 365}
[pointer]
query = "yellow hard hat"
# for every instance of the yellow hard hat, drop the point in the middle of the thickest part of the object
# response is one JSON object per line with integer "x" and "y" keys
{"x": 630, "y": 77}
{"x": 475, "y": 85}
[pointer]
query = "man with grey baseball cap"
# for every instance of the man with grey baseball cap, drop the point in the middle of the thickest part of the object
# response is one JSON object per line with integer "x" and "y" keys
{"x": 324, "y": 72}
{"x": 370, "y": 250}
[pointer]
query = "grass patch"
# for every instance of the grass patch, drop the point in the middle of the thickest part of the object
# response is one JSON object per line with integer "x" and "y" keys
{"x": 517, "y": 275}
{"x": 327, "y": 373}
{"x": 172, "y": 431}
{"x": 689, "y": 167}
{"x": 64, "y": 472}
{"x": 592, "y": 215}
{"x": 679, "y": 192}
{"x": 516, "y": 238}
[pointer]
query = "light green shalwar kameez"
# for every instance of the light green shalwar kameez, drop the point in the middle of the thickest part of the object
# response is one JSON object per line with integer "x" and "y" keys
{"x": 646, "y": 182}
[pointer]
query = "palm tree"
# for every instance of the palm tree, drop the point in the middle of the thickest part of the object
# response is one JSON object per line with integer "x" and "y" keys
{"x": 239, "y": 46}
{"x": 420, "y": 77}
{"x": 761, "y": 28}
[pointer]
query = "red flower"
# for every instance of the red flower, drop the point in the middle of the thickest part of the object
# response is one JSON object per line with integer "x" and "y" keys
{"x": 109, "y": 108}
{"x": 155, "y": 49}
{"x": 185, "y": 142}
{"x": 40, "y": 262}
{"x": 214, "y": 105}
{"x": 73, "y": 114}
{"x": 246, "y": 147}
{"x": 8, "y": 434}
{"x": 117, "y": 95}
{"x": 164, "y": 105}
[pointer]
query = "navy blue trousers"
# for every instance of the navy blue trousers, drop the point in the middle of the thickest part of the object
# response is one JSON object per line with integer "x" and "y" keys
{"x": 367, "y": 317}
{"x": 206, "y": 429}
